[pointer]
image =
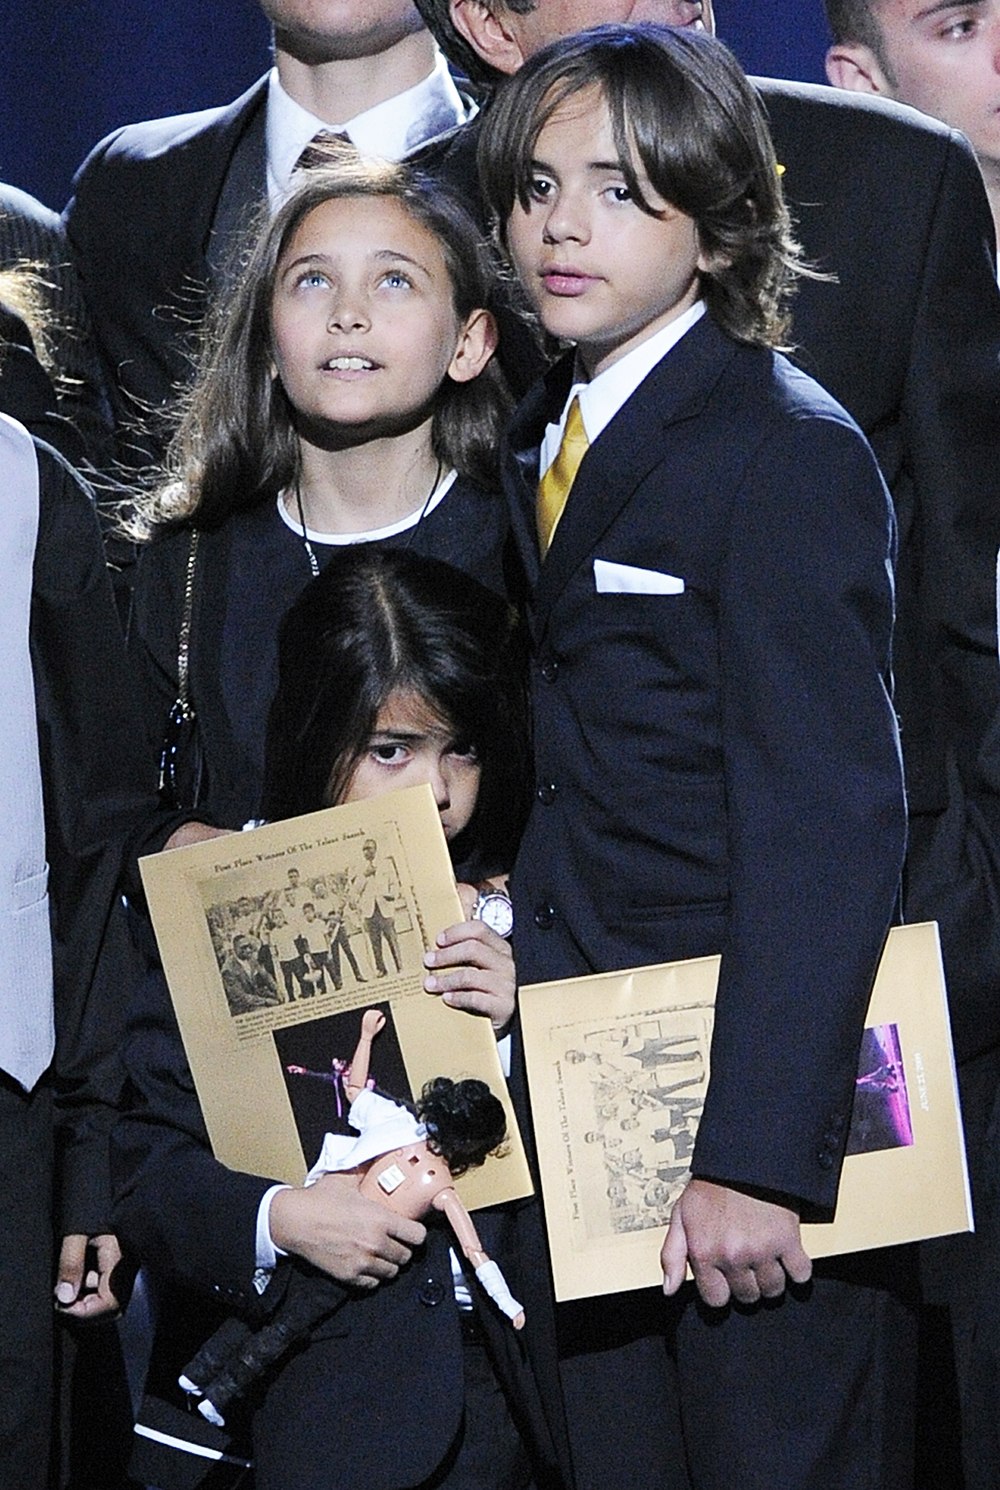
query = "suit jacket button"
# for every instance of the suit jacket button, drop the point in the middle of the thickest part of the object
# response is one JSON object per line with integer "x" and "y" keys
{"x": 432, "y": 1292}
{"x": 544, "y": 916}
{"x": 546, "y": 793}
{"x": 550, "y": 669}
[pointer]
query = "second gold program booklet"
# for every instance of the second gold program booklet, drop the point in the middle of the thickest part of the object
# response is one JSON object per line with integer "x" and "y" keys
{"x": 618, "y": 1066}
{"x": 275, "y": 941}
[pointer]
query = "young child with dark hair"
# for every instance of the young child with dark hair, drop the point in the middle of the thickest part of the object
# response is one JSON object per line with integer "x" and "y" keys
{"x": 395, "y": 670}
{"x": 381, "y": 633}
{"x": 709, "y": 545}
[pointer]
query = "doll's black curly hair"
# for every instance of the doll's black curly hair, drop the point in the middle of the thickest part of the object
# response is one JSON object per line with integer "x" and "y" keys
{"x": 465, "y": 1122}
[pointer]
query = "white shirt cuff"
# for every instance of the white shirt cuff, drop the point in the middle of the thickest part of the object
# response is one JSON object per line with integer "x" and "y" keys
{"x": 503, "y": 1051}
{"x": 267, "y": 1252}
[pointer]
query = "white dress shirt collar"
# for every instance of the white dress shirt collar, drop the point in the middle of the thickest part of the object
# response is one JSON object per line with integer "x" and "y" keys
{"x": 602, "y": 397}
{"x": 391, "y": 129}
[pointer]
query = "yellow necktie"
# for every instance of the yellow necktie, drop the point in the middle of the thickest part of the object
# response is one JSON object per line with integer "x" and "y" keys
{"x": 554, "y": 487}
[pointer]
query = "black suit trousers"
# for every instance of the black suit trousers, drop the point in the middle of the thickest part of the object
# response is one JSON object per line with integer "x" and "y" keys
{"x": 26, "y": 1278}
{"x": 809, "y": 1392}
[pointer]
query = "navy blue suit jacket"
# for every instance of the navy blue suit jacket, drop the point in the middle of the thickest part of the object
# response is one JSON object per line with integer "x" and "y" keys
{"x": 157, "y": 208}
{"x": 718, "y": 770}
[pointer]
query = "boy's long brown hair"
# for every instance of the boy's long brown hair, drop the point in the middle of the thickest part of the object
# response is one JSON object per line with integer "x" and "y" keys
{"x": 235, "y": 444}
{"x": 680, "y": 105}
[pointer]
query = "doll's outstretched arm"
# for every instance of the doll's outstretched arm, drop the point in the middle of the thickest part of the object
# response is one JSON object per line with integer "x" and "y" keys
{"x": 461, "y": 1224}
{"x": 487, "y": 1271}
{"x": 357, "y": 1076}
{"x": 495, "y": 1283}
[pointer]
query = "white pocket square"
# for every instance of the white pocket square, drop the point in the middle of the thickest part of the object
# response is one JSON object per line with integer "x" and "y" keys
{"x": 626, "y": 579}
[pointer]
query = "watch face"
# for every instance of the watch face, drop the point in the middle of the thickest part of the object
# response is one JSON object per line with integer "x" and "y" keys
{"x": 498, "y": 913}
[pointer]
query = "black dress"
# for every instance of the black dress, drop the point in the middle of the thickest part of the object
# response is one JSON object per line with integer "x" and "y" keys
{"x": 249, "y": 572}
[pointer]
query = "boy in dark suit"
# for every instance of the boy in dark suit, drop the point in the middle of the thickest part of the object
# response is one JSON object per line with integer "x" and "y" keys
{"x": 709, "y": 545}
{"x": 904, "y": 334}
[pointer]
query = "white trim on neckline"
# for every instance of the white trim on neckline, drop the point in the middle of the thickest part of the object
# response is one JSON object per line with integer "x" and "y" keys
{"x": 373, "y": 534}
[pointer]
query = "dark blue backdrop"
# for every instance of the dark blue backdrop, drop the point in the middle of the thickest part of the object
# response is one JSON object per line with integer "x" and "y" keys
{"x": 73, "y": 71}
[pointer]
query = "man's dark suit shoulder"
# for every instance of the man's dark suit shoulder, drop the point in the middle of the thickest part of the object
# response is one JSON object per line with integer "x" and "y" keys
{"x": 139, "y": 225}
{"x": 159, "y": 179}
{"x": 152, "y": 140}
{"x": 870, "y": 184}
{"x": 858, "y": 112}
{"x": 29, "y": 227}
{"x": 907, "y": 336}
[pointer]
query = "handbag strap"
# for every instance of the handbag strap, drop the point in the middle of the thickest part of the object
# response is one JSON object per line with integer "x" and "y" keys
{"x": 182, "y": 710}
{"x": 184, "y": 636}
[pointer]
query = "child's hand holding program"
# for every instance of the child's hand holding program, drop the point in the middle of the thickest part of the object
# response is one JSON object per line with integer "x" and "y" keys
{"x": 473, "y": 967}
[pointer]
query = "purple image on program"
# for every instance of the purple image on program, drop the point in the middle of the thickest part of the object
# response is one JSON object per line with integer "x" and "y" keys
{"x": 881, "y": 1116}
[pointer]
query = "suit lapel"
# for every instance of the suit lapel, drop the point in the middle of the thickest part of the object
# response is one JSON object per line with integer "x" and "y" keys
{"x": 240, "y": 142}
{"x": 627, "y": 450}
{"x": 540, "y": 407}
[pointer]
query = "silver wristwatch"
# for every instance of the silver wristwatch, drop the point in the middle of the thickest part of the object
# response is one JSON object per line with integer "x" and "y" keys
{"x": 495, "y": 908}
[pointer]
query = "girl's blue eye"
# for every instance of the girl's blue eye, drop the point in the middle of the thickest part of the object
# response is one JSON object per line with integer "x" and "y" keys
{"x": 396, "y": 279}
{"x": 312, "y": 277}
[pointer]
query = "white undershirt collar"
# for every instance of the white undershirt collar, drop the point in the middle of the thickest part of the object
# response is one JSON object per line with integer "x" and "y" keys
{"x": 373, "y": 534}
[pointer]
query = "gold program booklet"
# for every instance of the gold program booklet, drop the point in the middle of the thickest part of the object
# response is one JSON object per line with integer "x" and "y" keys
{"x": 275, "y": 941}
{"x": 618, "y": 1065}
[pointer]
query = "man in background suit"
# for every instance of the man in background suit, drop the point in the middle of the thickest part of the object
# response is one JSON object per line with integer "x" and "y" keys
{"x": 944, "y": 61}
{"x": 941, "y": 59}
{"x": 159, "y": 208}
{"x": 77, "y": 786}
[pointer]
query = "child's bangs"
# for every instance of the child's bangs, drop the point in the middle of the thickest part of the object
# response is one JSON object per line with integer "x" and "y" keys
{"x": 635, "y": 139}
{"x": 529, "y": 123}
{"x": 627, "y": 79}
{"x": 662, "y": 120}
{"x": 677, "y": 117}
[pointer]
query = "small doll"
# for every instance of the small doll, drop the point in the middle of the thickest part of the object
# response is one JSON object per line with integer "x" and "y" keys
{"x": 407, "y": 1162}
